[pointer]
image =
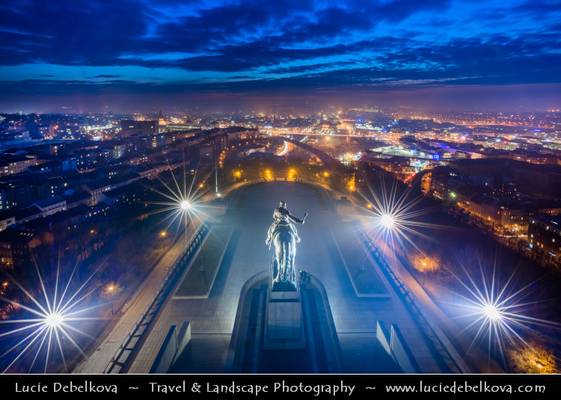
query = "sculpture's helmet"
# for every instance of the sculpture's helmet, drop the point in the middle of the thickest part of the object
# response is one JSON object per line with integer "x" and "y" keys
{"x": 282, "y": 204}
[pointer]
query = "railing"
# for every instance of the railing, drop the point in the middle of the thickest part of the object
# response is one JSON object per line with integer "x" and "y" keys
{"x": 128, "y": 350}
{"x": 411, "y": 304}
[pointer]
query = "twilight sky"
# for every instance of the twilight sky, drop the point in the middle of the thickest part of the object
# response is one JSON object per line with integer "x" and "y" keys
{"x": 90, "y": 55}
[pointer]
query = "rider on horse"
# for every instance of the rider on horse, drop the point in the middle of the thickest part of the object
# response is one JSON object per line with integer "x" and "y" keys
{"x": 282, "y": 216}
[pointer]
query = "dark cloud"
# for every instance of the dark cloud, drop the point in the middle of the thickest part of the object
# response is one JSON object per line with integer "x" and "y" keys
{"x": 271, "y": 45}
{"x": 540, "y": 7}
{"x": 314, "y": 68}
{"x": 99, "y": 33}
{"x": 534, "y": 58}
{"x": 69, "y": 32}
{"x": 105, "y": 76}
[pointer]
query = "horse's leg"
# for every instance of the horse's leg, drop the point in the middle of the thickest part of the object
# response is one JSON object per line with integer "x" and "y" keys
{"x": 275, "y": 270}
{"x": 292, "y": 258}
{"x": 283, "y": 261}
{"x": 278, "y": 258}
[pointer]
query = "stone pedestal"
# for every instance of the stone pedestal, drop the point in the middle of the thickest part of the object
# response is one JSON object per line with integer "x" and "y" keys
{"x": 284, "y": 326}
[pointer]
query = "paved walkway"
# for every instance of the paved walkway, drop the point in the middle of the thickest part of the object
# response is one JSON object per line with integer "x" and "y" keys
{"x": 100, "y": 358}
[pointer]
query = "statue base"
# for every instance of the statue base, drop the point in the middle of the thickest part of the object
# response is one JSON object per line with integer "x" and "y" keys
{"x": 284, "y": 325}
{"x": 284, "y": 287}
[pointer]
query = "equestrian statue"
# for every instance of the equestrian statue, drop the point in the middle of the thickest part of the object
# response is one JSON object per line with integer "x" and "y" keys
{"x": 283, "y": 235}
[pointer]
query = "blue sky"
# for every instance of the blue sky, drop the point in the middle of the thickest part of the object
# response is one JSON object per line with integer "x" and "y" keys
{"x": 60, "y": 52}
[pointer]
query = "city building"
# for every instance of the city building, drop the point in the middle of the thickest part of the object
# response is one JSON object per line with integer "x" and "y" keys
{"x": 139, "y": 128}
{"x": 51, "y": 206}
{"x": 10, "y": 165}
{"x": 545, "y": 235}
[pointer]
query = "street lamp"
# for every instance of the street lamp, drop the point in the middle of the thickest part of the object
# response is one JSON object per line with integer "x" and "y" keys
{"x": 110, "y": 290}
{"x": 185, "y": 205}
{"x": 387, "y": 221}
{"x": 53, "y": 320}
{"x": 492, "y": 312}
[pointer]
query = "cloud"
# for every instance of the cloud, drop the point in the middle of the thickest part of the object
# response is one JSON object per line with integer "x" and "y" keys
{"x": 259, "y": 45}
{"x": 100, "y": 33}
{"x": 540, "y": 7}
{"x": 105, "y": 76}
{"x": 68, "y": 32}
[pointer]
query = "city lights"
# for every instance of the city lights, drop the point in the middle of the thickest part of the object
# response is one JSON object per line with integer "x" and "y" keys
{"x": 111, "y": 289}
{"x": 268, "y": 175}
{"x": 292, "y": 174}
{"x": 424, "y": 263}
{"x": 533, "y": 358}
{"x": 351, "y": 184}
{"x": 284, "y": 150}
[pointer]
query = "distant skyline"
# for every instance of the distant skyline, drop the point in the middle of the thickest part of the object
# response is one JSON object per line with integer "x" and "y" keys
{"x": 146, "y": 55}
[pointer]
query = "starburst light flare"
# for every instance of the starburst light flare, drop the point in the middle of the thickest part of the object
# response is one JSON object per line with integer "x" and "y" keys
{"x": 181, "y": 200}
{"x": 393, "y": 217}
{"x": 50, "y": 325}
{"x": 496, "y": 311}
